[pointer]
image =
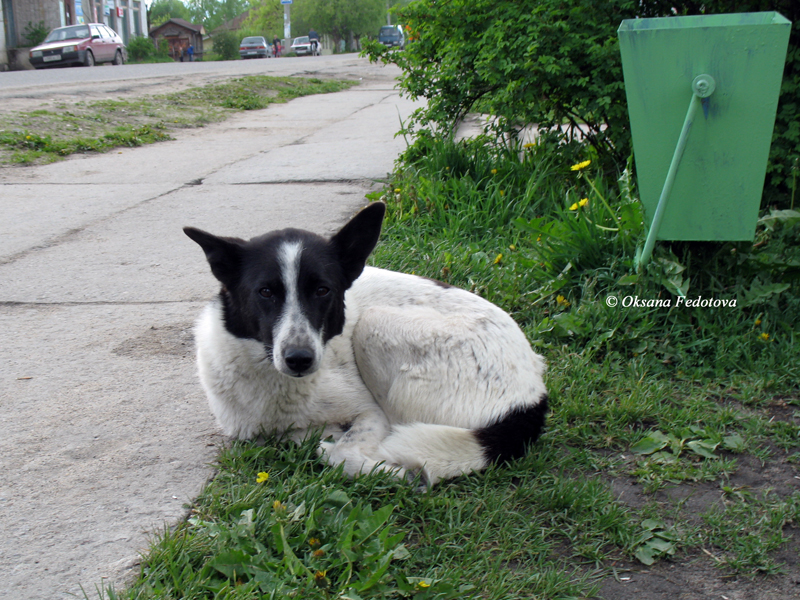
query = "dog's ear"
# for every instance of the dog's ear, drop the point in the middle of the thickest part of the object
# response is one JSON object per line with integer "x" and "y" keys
{"x": 357, "y": 239}
{"x": 224, "y": 255}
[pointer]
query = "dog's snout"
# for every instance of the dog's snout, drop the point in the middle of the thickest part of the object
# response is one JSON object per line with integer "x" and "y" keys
{"x": 298, "y": 360}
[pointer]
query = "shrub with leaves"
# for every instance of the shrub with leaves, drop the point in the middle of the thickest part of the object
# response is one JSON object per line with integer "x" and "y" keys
{"x": 556, "y": 63}
{"x": 226, "y": 44}
{"x": 141, "y": 48}
{"x": 35, "y": 33}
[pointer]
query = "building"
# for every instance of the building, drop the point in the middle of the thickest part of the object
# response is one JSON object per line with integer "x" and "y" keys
{"x": 179, "y": 35}
{"x": 126, "y": 17}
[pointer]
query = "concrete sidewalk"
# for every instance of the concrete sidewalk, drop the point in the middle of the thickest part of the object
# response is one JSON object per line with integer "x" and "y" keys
{"x": 104, "y": 433}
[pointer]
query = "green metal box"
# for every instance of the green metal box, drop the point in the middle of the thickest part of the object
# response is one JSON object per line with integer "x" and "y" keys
{"x": 719, "y": 180}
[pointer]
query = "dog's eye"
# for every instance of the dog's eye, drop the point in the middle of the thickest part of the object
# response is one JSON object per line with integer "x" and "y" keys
{"x": 322, "y": 291}
{"x": 266, "y": 293}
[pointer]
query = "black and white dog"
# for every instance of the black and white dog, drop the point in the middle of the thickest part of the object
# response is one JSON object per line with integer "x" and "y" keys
{"x": 400, "y": 372}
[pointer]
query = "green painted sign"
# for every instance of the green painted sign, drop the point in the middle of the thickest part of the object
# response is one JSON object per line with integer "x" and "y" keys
{"x": 718, "y": 178}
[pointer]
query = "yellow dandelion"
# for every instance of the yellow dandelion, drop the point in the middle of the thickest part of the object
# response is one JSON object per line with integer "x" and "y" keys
{"x": 764, "y": 336}
{"x": 494, "y": 171}
{"x": 574, "y": 206}
{"x": 583, "y": 202}
{"x": 580, "y": 166}
{"x": 27, "y": 137}
{"x": 447, "y": 168}
{"x": 423, "y": 584}
{"x": 539, "y": 238}
{"x": 397, "y": 190}
{"x": 277, "y": 505}
{"x": 262, "y": 477}
{"x": 313, "y": 542}
{"x": 319, "y": 552}
{"x": 562, "y": 301}
{"x": 502, "y": 193}
{"x": 512, "y": 247}
{"x": 497, "y": 259}
{"x": 528, "y": 146}
{"x": 758, "y": 322}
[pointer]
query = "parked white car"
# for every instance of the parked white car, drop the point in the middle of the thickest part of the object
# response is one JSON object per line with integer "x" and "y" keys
{"x": 302, "y": 46}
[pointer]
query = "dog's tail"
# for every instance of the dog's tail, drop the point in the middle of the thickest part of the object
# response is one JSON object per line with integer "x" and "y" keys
{"x": 440, "y": 451}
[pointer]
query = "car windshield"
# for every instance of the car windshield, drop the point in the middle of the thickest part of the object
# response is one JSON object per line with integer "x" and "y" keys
{"x": 68, "y": 33}
{"x": 300, "y": 40}
{"x": 253, "y": 40}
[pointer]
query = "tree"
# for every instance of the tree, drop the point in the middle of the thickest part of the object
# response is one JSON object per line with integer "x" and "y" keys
{"x": 267, "y": 18}
{"x": 162, "y": 11}
{"x": 340, "y": 18}
{"x": 213, "y": 13}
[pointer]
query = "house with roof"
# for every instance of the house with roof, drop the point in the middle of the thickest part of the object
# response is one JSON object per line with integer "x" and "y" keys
{"x": 179, "y": 35}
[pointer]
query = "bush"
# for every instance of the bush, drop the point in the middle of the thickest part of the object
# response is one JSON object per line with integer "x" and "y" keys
{"x": 226, "y": 45}
{"x": 141, "y": 48}
{"x": 35, "y": 33}
{"x": 555, "y": 63}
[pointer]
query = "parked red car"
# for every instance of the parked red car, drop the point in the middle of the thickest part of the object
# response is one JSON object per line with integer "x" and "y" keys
{"x": 87, "y": 44}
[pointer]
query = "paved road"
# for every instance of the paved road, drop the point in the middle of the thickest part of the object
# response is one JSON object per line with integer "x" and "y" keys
{"x": 104, "y": 431}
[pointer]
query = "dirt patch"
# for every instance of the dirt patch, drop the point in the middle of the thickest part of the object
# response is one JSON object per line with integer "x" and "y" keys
{"x": 170, "y": 340}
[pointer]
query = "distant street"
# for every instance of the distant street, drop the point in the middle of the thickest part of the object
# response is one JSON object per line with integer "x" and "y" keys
{"x": 19, "y": 89}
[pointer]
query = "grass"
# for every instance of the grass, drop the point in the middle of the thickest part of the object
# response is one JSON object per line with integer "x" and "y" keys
{"x": 663, "y": 416}
{"x": 44, "y": 136}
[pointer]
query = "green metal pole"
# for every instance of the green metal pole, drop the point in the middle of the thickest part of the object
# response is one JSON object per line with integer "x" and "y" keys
{"x": 702, "y": 87}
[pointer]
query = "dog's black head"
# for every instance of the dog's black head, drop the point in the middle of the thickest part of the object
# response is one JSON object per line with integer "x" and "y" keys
{"x": 286, "y": 288}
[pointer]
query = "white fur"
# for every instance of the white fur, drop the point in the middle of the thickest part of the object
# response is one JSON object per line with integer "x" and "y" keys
{"x": 416, "y": 369}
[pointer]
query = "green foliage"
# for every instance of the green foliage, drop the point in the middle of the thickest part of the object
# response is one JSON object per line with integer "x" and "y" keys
{"x": 141, "y": 48}
{"x": 161, "y": 11}
{"x": 35, "y": 33}
{"x": 226, "y": 45}
{"x": 339, "y": 18}
{"x": 556, "y": 63}
{"x": 213, "y": 13}
{"x": 265, "y": 18}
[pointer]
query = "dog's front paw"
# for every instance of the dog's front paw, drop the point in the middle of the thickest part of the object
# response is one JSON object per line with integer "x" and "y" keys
{"x": 325, "y": 451}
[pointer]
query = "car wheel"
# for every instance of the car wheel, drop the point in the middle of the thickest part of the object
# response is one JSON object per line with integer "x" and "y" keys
{"x": 118, "y": 60}
{"x": 89, "y": 61}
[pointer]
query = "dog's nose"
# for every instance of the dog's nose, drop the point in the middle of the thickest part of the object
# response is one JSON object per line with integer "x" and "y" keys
{"x": 298, "y": 359}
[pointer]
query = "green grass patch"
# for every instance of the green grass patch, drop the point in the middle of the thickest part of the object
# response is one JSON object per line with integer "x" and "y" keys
{"x": 43, "y": 135}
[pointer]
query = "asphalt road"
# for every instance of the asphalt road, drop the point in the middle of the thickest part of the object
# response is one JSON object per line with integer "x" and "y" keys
{"x": 105, "y": 435}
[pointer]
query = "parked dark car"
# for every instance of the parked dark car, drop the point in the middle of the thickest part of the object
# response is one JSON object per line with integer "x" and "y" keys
{"x": 391, "y": 36}
{"x": 87, "y": 44}
{"x": 255, "y": 47}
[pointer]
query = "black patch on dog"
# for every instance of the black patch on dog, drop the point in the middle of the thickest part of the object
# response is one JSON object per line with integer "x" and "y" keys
{"x": 510, "y": 437}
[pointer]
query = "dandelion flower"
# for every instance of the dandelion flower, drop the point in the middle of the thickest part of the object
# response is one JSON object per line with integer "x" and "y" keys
{"x": 313, "y": 542}
{"x": 512, "y": 247}
{"x": 27, "y": 137}
{"x": 397, "y": 190}
{"x": 262, "y": 477}
{"x": 529, "y": 145}
{"x": 562, "y": 301}
{"x": 497, "y": 259}
{"x": 764, "y": 336}
{"x": 319, "y": 552}
{"x": 494, "y": 171}
{"x": 277, "y": 505}
{"x": 583, "y": 202}
{"x": 580, "y": 166}
{"x": 423, "y": 584}
{"x": 758, "y": 322}
{"x": 502, "y": 193}
{"x": 574, "y": 206}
